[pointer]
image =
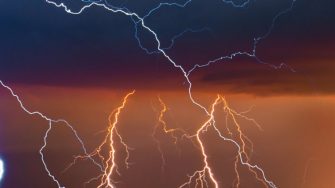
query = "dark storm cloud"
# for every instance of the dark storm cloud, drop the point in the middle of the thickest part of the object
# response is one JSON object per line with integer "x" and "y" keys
{"x": 303, "y": 39}
{"x": 41, "y": 44}
{"x": 268, "y": 81}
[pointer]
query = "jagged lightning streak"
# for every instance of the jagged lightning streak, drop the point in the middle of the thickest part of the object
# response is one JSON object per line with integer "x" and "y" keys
{"x": 169, "y": 131}
{"x": 237, "y": 5}
{"x": 174, "y": 38}
{"x": 200, "y": 175}
{"x": 243, "y": 139}
{"x": 50, "y": 123}
{"x": 257, "y": 40}
{"x": 162, "y": 123}
{"x": 109, "y": 164}
{"x": 141, "y": 20}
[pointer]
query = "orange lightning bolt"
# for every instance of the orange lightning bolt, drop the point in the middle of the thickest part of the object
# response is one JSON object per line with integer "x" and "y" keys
{"x": 200, "y": 177}
{"x": 170, "y": 131}
{"x": 243, "y": 139}
{"x": 109, "y": 164}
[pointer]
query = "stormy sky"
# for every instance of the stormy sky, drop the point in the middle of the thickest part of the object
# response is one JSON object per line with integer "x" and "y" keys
{"x": 79, "y": 67}
{"x": 42, "y": 45}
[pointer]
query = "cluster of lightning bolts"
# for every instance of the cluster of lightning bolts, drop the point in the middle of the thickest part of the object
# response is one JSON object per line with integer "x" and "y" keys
{"x": 203, "y": 177}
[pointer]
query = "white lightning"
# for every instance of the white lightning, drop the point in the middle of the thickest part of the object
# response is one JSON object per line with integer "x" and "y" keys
{"x": 186, "y": 73}
{"x": 2, "y": 169}
{"x": 50, "y": 123}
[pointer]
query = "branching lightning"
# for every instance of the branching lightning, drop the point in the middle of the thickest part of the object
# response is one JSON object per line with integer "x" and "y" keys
{"x": 205, "y": 177}
{"x": 242, "y": 156}
{"x": 109, "y": 164}
{"x": 51, "y": 122}
{"x": 169, "y": 131}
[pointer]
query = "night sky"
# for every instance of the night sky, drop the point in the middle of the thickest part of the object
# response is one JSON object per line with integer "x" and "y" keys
{"x": 79, "y": 67}
{"x": 42, "y": 45}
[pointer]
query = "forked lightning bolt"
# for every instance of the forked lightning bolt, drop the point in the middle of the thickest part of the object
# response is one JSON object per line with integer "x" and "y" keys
{"x": 110, "y": 163}
{"x": 199, "y": 177}
{"x": 51, "y": 122}
{"x": 203, "y": 177}
{"x": 169, "y": 131}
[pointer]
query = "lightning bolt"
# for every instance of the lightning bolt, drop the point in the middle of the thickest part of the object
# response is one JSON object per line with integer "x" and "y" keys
{"x": 242, "y": 156}
{"x": 109, "y": 164}
{"x": 50, "y": 125}
{"x": 201, "y": 174}
{"x": 200, "y": 177}
{"x": 161, "y": 123}
{"x": 169, "y": 131}
{"x": 244, "y": 141}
